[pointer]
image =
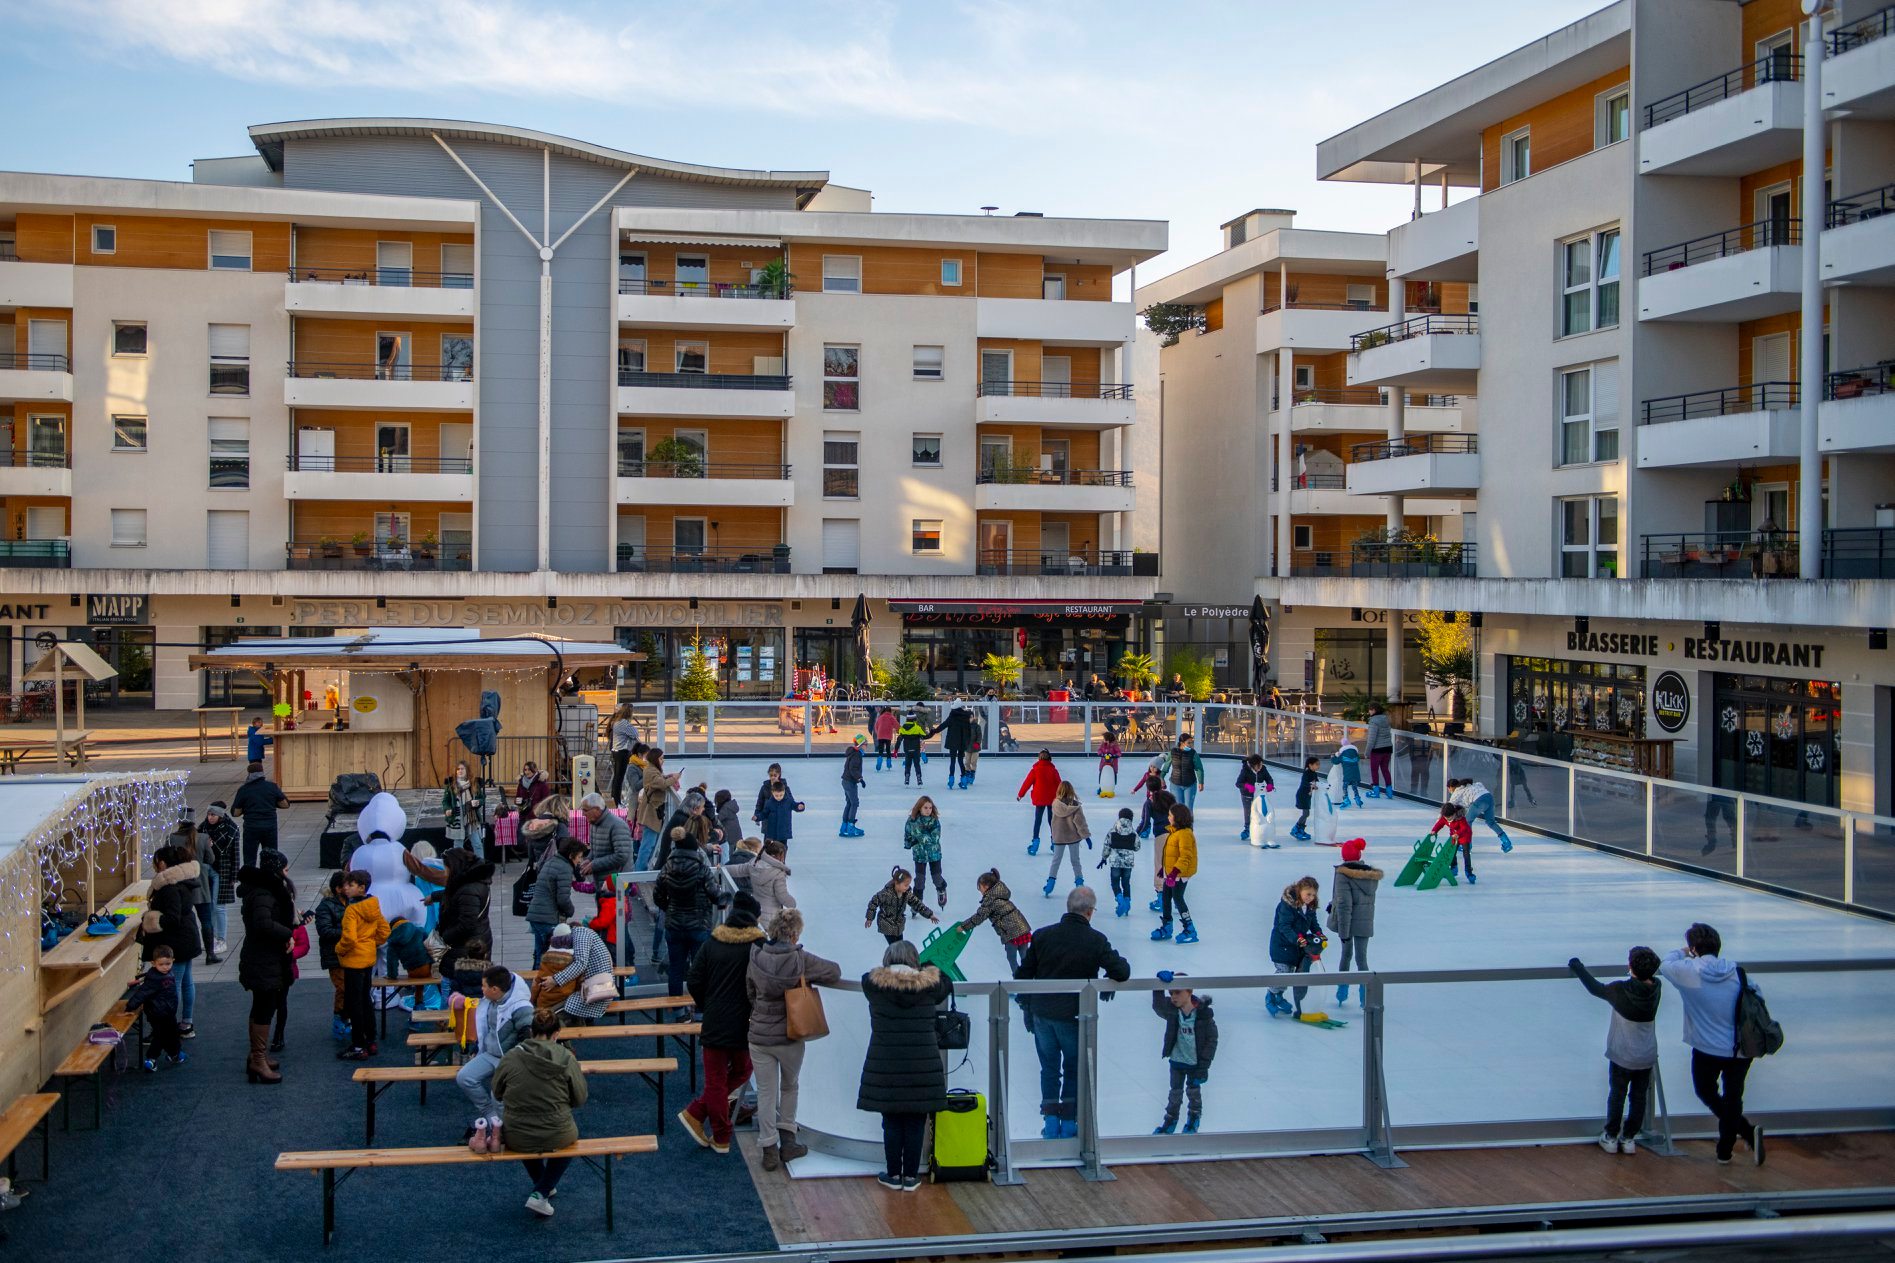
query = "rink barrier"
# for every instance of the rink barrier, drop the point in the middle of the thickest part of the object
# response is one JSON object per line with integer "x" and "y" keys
{"x": 1377, "y": 1137}
{"x": 1824, "y": 855}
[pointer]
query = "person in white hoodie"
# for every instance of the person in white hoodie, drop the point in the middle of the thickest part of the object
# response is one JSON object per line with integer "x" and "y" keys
{"x": 1708, "y": 986}
{"x": 504, "y": 1018}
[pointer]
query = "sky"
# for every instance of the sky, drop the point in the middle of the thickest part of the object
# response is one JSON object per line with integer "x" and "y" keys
{"x": 1192, "y": 111}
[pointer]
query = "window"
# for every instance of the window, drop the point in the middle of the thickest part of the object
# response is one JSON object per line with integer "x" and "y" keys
{"x": 693, "y": 357}
{"x": 632, "y": 355}
{"x": 1305, "y": 376}
{"x": 457, "y": 357}
{"x": 927, "y": 449}
{"x": 840, "y": 470}
{"x": 1614, "y": 121}
{"x": 693, "y": 272}
{"x": 688, "y": 535}
{"x": 631, "y": 453}
{"x": 128, "y": 528}
{"x": 842, "y": 274}
{"x": 1589, "y": 283}
{"x": 950, "y": 271}
{"x": 841, "y": 378}
{"x": 632, "y": 272}
{"x": 841, "y": 545}
{"x": 457, "y": 266}
{"x": 394, "y": 357}
{"x": 1302, "y": 538}
{"x": 230, "y": 359}
{"x": 928, "y": 362}
{"x": 1516, "y": 156}
{"x": 925, "y": 535}
{"x": 1589, "y": 414}
{"x": 104, "y": 239}
{"x": 1361, "y": 297}
{"x": 128, "y": 337}
{"x": 1589, "y": 537}
{"x": 230, "y": 251}
{"x": 129, "y": 434}
{"x": 230, "y": 453}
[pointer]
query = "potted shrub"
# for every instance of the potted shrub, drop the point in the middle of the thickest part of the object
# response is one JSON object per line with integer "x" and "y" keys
{"x": 330, "y": 547}
{"x": 361, "y": 543}
{"x": 425, "y": 546}
{"x": 672, "y": 458}
{"x": 1138, "y": 671}
{"x": 774, "y": 279}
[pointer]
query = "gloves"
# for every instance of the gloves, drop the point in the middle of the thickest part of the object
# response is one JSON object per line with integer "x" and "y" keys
{"x": 1165, "y": 975}
{"x": 1088, "y": 844}
{"x": 1197, "y": 1080}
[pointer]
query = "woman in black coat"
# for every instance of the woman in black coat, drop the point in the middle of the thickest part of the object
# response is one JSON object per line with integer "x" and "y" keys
{"x": 465, "y": 899}
{"x": 902, "y": 1076}
{"x": 170, "y": 920}
{"x": 268, "y": 900}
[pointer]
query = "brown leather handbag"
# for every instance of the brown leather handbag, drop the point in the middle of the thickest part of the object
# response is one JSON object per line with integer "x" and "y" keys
{"x": 803, "y": 1018}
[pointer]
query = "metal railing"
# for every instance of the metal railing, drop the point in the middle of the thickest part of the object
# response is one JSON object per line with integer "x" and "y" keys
{"x": 1858, "y": 207}
{"x": 36, "y": 361}
{"x": 1859, "y": 552}
{"x": 1852, "y": 383}
{"x": 704, "y": 289}
{"x": 385, "y": 464}
{"x": 1317, "y": 482}
{"x": 1078, "y": 563}
{"x": 1055, "y": 477}
{"x": 1862, "y": 31}
{"x": 1721, "y": 555}
{"x": 1052, "y": 390}
{"x": 1757, "y": 397}
{"x": 386, "y": 555}
{"x": 1359, "y": 396}
{"x": 1387, "y": 561}
{"x": 386, "y": 278}
{"x": 1276, "y": 304}
{"x": 1420, "y": 326}
{"x": 1719, "y": 245}
{"x": 1773, "y": 67}
{"x": 1414, "y": 445}
{"x": 705, "y": 381}
{"x": 36, "y": 554}
{"x": 376, "y": 371}
{"x": 649, "y": 468}
{"x": 9, "y": 252}
{"x": 634, "y": 559}
{"x": 27, "y": 458}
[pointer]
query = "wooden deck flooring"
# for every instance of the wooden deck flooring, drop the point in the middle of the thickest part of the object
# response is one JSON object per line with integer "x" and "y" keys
{"x": 804, "y": 1212}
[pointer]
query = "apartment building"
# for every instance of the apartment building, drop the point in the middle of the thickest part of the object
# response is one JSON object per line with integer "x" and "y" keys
{"x": 1619, "y": 203}
{"x": 421, "y": 373}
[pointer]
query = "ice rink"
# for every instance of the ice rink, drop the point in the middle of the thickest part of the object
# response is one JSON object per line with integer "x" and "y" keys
{"x": 1461, "y": 1053}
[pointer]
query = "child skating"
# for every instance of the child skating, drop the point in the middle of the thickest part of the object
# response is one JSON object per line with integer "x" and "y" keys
{"x": 1190, "y": 1045}
{"x": 889, "y": 908}
{"x": 1121, "y": 853}
{"x": 1305, "y": 796}
{"x": 1042, "y": 781}
{"x": 922, "y": 836}
{"x": 1069, "y": 828}
{"x": 1352, "y": 910}
{"x": 1631, "y": 1045}
{"x": 1160, "y": 805}
{"x": 1250, "y": 774}
{"x": 1454, "y": 820}
{"x": 886, "y": 723}
{"x": 1152, "y": 781}
{"x": 1109, "y": 764}
{"x": 852, "y": 784}
{"x": 1477, "y": 801}
{"x": 1177, "y": 865}
{"x": 997, "y": 909}
{"x": 1296, "y": 943}
{"x": 1348, "y": 761}
{"x": 909, "y": 738}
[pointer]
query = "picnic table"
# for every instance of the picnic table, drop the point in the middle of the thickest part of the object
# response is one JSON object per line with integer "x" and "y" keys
{"x": 67, "y": 748}
{"x": 226, "y": 742}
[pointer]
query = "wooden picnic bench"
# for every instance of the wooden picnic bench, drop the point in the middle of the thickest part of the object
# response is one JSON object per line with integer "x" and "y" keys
{"x": 631, "y": 1004}
{"x": 426, "y": 1015}
{"x": 71, "y": 751}
{"x": 88, "y": 1061}
{"x": 596, "y": 1152}
{"x": 686, "y": 1033}
{"x": 33, "y": 1112}
{"x": 376, "y": 1080}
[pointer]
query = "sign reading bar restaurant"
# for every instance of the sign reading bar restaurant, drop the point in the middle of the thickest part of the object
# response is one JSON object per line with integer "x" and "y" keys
{"x": 528, "y": 615}
{"x": 1009, "y": 612}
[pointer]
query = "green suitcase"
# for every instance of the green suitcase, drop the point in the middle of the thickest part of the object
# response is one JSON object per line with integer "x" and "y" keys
{"x": 960, "y": 1138}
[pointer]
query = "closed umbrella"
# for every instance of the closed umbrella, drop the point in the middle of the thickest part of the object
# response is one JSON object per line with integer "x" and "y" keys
{"x": 859, "y": 623}
{"x": 1259, "y": 644}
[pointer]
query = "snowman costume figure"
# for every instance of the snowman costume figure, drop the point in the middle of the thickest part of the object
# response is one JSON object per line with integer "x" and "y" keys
{"x": 380, "y": 827}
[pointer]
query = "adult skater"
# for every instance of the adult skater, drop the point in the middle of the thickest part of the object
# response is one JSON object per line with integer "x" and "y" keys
{"x": 1381, "y": 743}
{"x": 959, "y": 728}
{"x": 1477, "y": 801}
{"x": 1184, "y": 771}
{"x": 1070, "y": 948}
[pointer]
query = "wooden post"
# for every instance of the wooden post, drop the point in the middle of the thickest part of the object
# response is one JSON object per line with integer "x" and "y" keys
{"x": 59, "y": 717}
{"x": 276, "y": 726}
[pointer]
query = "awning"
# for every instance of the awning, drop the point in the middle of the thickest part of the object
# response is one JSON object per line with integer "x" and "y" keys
{"x": 698, "y": 239}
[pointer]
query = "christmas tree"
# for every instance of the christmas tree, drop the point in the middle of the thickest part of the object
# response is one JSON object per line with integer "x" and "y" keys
{"x": 699, "y": 681}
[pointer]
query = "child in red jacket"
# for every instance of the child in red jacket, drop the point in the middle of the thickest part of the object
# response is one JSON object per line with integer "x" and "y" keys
{"x": 885, "y": 724}
{"x": 1454, "y": 820}
{"x": 1043, "y": 779}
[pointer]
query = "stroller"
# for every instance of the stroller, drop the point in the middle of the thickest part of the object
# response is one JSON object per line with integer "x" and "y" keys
{"x": 1009, "y": 744}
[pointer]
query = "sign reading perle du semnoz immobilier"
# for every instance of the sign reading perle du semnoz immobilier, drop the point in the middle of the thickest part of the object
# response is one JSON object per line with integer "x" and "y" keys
{"x": 1756, "y": 653}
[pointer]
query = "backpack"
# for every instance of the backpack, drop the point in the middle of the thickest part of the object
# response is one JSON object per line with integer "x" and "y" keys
{"x": 1758, "y": 1034}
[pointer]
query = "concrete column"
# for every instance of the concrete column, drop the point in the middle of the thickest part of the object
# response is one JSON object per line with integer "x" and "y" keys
{"x": 1395, "y": 634}
{"x": 1280, "y": 502}
{"x": 1809, "y": 508}
{"x": 1397, "y": 395}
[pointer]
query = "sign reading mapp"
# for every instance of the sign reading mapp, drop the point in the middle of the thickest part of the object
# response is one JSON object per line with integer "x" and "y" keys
{"x": 534, "y": 616}
{"x": 117, "y": 610}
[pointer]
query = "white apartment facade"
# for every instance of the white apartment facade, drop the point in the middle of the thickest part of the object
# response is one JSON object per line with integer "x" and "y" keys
{"x": 1630, "y": 493}
{"x": 419, "y": 373}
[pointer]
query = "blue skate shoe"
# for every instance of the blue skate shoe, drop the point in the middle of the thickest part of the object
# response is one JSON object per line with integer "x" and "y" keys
{"x": 1162, "y": 933}
{"x": 1189, "y": 934}
{"x": 1191, "y": 1126}
{"x": 1048, "y": 892}
{"x": 1165, "y": 1128}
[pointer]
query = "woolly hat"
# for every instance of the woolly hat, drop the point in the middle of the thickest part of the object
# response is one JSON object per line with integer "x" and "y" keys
{"x": 561, "y": 939}
{"x": 1352, "y": 849}
{"x": 272, "y": 861}
{"x": 744, "y": 911}
{"x": 1125, "y": 813}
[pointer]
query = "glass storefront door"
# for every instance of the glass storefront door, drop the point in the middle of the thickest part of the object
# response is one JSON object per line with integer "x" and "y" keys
{"x": 1778, "y": 737}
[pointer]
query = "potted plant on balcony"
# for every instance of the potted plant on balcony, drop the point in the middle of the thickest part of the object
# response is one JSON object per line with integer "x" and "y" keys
{"x": 673, "y": 458}
{"x": 329, "y": 546}
{"x": 361, "y": 543}
{"x": 774, "y": 279}
{"x": 425, "y": 546}
{"x": 1373, "y": 338}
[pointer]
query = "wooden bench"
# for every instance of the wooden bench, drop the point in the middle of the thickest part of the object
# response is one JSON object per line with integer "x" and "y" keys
{"x": 425, "y": 1015}
{"x": 376, "y": 1080}
{"x": 29, "y": 1114}
{"x": 632, "y": 1004}
{"x": 686, "y": 1033}
{"x": 88, "y": 1061}
{"x": 596, "y": 1152}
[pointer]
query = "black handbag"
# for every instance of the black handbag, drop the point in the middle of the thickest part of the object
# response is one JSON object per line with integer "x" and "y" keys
{"x": 952, "y": 1028}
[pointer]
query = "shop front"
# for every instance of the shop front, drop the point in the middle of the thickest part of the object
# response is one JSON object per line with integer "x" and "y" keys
{"x": 1778, "y": 737}
{"x": 1061, "y": 644}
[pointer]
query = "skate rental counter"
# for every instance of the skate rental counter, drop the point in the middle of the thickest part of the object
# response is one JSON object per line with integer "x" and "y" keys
{"x": 403, "y": 692}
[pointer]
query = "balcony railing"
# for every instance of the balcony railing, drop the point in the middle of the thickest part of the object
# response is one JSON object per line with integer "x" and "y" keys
{"x": 705, "y": 381}
{"x": 1316, "y": 482}
{"x": 36, "y": 554}
{"x": 1853, "y": 383}
{"x": 1857, "y": 207}
{"x": 1277, "y": 304}
{"x": 1862, "y": 31}
{"x": 699, "y": 469}
{"x": 1386, "y": 561}
{"x": 704, "y": 289}
{"x": 375, "y": 371}
{"x": 1860, "y": 552}
{"x": 1419, "y": 327}
{"x": 1414, "y": 445}
{"x": 1721, "y": 555}
{"x": 382, "y": 464}
{"x": 383, "y": 555}
{"x": 1053, "y": 390}
{"x": 634, "y": 558}
{"x": 1719, "y": 245}
{"x": 1758, "y": 397}
{"x": 9, "y": 252}
{"x": 396, "y": 278}
{"x": 1359, "y": 396}
{"x": 1076, "y": 564}
{"x": 36, "y": 361}
{"x": 23, "y": 458}
{"x": 1055, "y": 477}
{"x": 1773, "y": 67}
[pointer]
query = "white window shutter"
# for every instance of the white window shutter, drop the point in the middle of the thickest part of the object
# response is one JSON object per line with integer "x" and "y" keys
{"x": 841, "y": 543}
{"x": 227, "y": 539}
{"x": 230, "y": 340}
{"x": 1605, "y": 395}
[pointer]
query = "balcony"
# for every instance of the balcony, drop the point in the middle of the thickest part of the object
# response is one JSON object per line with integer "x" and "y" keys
{"x": 1858, "y": 411}
{"x": 1436, "y": 464}
{"x": 1386, "y": 561}
{"x": 635, "y": 559}
{"x": 746, "y": 395}
{"x": 1355, "y": 409}
{"x": 1313, "y": 327}
{"x": 1320, "y": 495}
{"x": 34, "y": 284}
{"x": 1086, "y": 405}
{"x": 1741, "y": 121}
{"x": 706, "y": 305}
{"x": 1721, "y": 555}
{"x": 1442, "y": 245}
{"x": 1863, "y": 552}
{"x": 28, "y": 473}
{"x": 376, "y": 386}
{"x": 1086, "y": 563}
{"x": 1745, "y": 273}
{"x": 1859, "y": 237}
{"x": 35, "y": 377}
{"x": 1435, "y": 351}
{"x": 1720, "y": 427}
{"x": 377, "y": 291}
{"x": 384, "y": 555}
{"x": 1859, "y": 73}
{"x": 35, "y": 554}
{"x": 1070, "y": 322}
{"x": 694, "y": 482}
{"x": 1054, "y": 490}
{"x": 441, "y": 480}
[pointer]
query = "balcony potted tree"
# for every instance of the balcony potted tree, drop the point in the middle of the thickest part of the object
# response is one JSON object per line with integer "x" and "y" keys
{"x": 361, "y": 543}
{"x": 426, "y": 546}
{"x": 774, "y": 279}
{"x": 330, "y": 547}
{"x": 673, "y": 458}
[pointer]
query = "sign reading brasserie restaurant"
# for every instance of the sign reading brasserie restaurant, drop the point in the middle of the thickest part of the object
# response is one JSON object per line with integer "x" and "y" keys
{"x": 1765, "y": 653}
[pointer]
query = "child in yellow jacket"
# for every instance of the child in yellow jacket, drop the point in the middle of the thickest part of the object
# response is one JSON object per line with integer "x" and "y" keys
{"x": 1178, "y": 865}
{"x": 364, "y": 930}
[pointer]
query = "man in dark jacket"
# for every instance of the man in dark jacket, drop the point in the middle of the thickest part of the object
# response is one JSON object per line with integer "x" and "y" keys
{"x": 1069, "y": 949}
{"x": 256, "y": 804}
{"x": 694, "y": 817}
{"x": 716, "y": 979}
{"x": 959, "y": 727}
{"x": 687, "y": 892}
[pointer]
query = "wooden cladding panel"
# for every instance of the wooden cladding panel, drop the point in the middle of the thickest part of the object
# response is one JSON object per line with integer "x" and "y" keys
{"x": 1562, "y": 128}
{"x": 355, "y": 433}
{"x": 1334, "y": 533}
{"x": 1764, "y": 18}
{"x": 13, "y": 512}
{"x": 1026, "y": 356}
{"x": 734, "y": 351}
{"x": 1010, "y": 276}
{"x": 889, "y": 269}
{"x": 322, "y": 341}
{"x": 354, "y": 248}
{"x": 1330, "y": 290}
{"x": 43, "y": 238}
{"x": 314, "y": 520}
{"x": 729, "y": 441}
{"x": 1029, "y": 441}
{"x": 20, "y": 333}
{"x": 728, "y": 265}
{"x": 1214, "y": 315}
{"x": 1085, "y": 282}
{"x": 1083, "y": 529}
{"x": 1749, "y": 330}
{"x": 742, "y": 529}
{"x": 161, "y": 241}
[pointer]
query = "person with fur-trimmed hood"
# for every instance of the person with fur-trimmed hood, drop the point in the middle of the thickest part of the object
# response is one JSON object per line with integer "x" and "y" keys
{"x": 716, "y": 980}
{"x": 1352, "y": 910}
{"x": 1190, "y": 1044}
{"x": 903, "y": 1078}
{"x": 1296, "y": 942}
